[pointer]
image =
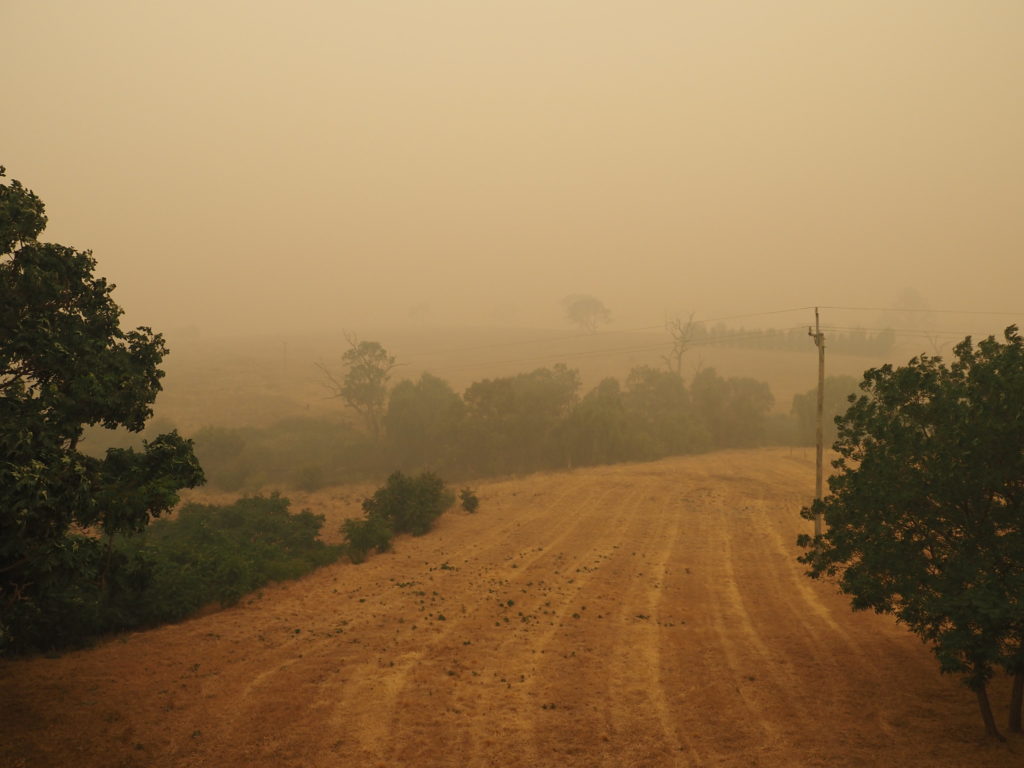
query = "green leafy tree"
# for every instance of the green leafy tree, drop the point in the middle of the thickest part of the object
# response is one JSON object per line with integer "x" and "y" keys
{"x": 661, "y": 415}
{"x": 422, "y": 421}
{"x": 925, "y": 520}
{"x": 805, "y": 408}
{"x": 65, "y": 364}
{"x": 364, "y": 387}
{"x": 734, "y": 410}
{"x": 598, "y": 429}
{"x": 515, "y": 423}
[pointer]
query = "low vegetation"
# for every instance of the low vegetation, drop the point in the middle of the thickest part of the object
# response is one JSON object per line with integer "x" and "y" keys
{"x": 469, "y": 500}
{"x": 205, "y": 555}
{"x": 216, "y": 554}
{"x": 404, "y": 504}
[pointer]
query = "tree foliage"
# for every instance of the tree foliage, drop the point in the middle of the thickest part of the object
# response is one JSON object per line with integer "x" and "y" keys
{"x": 926, "y": 513}
{"x": 65, "y": 364}
{"x": 514, "y": 423}
{"x": 469, "y": 499}
{"x": 364, "y": 386}
{"x": 510, "y": 424}
{"x": 216, "y": 554}
{"x": 422, "y": 419}
{"x": 734, "y": 410}
{"x": 662, "y": 421}
{"x": 598, "y": 429}
{"x": 586, "y": 311}
{"x": 805, "y": 409}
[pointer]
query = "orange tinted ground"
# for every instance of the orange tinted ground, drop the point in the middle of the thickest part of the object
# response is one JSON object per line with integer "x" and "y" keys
{"x": 637, "y": 615}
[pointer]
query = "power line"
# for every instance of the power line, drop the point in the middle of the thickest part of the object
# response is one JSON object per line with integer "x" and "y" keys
{"x": 897, "y": 331}
{"x": 927, "y": 311}
{"x": 660, "y": 347}
{"x": 666, "y": 346}
{"x": 754, "y": 314}
{"x": 572, "y": 337}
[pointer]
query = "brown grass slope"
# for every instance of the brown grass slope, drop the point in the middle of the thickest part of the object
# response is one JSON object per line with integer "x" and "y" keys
{"x": 636, "y": 615}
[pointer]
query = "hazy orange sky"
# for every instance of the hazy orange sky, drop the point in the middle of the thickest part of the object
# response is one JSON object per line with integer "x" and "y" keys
{"x": 302, "y": 164}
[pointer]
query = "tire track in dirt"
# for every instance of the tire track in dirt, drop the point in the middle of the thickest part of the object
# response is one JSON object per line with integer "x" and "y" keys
{"x": 568, "y": 570}
{"x": 646, "y": 715}
{"x": 553, "y": 713}
{"x": 317, "y": 668}
{"x": 734, "y": 584}
{"x": 531, "y": 603}
{"x": 427, "y": 666}
{"x": 614, "y": 694}
{"x": 811, "y": 632}
{"x": 727, "y": 639}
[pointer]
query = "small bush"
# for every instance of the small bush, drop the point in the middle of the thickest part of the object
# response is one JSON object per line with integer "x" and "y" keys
{"x": 404, "y": 504}
{"x": 363, "y": 535}
{"x": 410, "y": 504}
{"x": 470, "y": 502}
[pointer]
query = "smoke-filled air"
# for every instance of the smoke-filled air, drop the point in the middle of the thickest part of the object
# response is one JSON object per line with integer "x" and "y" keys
{"x": 486, "y": 383}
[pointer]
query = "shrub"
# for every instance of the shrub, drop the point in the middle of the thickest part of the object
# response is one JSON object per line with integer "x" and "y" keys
{"x": 363, "y": 535}
{"x": 410, "y": 504}
{"x": 470, "y": 502}
{"x": 404, "y": 504}
{"x": 219, "y": 553}
{"x": 207, "y": 554}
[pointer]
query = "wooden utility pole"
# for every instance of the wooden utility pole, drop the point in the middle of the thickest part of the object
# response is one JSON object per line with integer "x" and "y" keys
{"x": 819, "y": 342}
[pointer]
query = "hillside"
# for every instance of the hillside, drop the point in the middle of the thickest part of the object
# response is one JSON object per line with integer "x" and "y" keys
{"x": 636, "y": 615}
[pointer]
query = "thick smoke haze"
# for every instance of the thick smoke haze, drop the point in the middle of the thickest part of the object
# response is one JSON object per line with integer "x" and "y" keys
{"x": 263, "y": 165}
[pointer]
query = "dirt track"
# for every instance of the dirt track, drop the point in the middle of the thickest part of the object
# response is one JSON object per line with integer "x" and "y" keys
{"x": 638, "y": 615}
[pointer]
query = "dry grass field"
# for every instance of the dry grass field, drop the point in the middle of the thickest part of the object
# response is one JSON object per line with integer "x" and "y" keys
{"x": 635, "y": 615}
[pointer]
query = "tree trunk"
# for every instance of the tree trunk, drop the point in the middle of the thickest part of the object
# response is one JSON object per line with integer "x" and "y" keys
{"x": 986, "y": 712}
{"x": 1016, "y": 699}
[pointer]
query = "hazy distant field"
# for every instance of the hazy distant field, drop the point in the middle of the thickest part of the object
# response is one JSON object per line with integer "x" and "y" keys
{"x": 255, "y": 380}
{"x": 637, "y": 615}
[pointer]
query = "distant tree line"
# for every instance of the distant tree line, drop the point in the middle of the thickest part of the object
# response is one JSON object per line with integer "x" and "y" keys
{"x": 514, "y": 424}
{"x": 854, "y": 342}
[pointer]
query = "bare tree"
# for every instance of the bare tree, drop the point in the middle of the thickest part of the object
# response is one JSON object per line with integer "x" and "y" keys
{"x": 364, "y": 387}
{"x": 682, "y": 334}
